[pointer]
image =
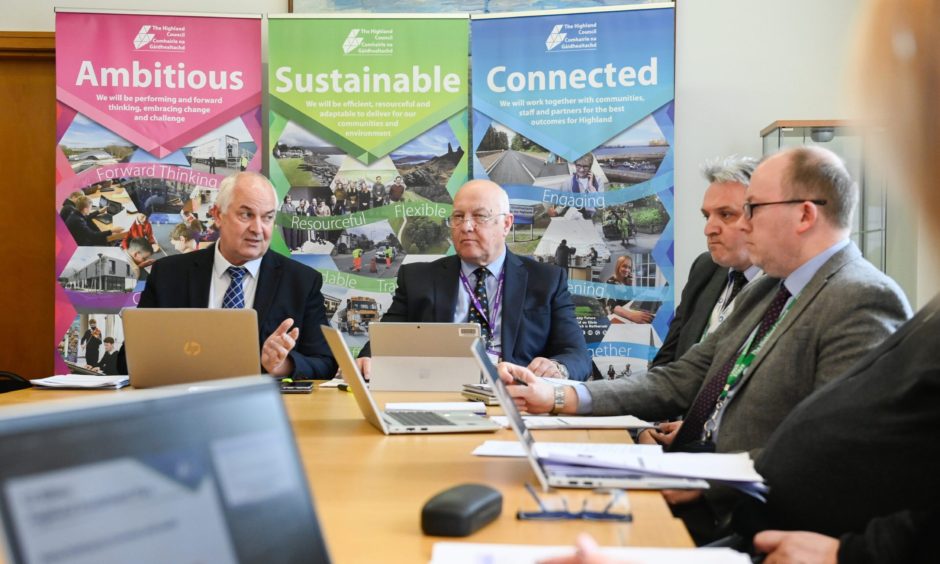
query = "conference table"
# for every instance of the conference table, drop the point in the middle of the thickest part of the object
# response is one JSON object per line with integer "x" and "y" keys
{"x": 369, "y": 488}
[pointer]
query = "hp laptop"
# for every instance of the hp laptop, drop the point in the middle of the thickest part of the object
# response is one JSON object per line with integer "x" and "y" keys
{"x": 422, "y": 357}
{"x": 176, "y": 346}
{"x": 154, "y": 476}
{"x": 552, "y": 474}
{"x": 400, "y": 422}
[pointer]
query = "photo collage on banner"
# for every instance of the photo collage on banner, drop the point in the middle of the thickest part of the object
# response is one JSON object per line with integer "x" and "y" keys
{"x": 573, "y": 116}
{"x": 368, "y": 134}
{"x": 153, "y": 111}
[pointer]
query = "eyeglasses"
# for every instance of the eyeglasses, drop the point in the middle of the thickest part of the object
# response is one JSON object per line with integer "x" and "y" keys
{"x": 477, "y": 219}
{"x": 749, "y": 207}
{"x": 617, "y": 508}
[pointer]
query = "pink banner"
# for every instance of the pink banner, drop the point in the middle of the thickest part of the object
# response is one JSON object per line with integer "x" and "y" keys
{"x": 153, "y": 112}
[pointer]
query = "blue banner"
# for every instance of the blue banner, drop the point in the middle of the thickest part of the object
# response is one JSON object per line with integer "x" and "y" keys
{"x": 573, "y": 116}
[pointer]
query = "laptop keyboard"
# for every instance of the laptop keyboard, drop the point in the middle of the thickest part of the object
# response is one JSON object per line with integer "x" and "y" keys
{"x": 419, "y": 418}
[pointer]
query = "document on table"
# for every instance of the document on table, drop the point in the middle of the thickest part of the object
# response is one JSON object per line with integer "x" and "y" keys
{"x": 335, "y": 382}
{"x": 468, "y": 406}
{"x": 513, "y": 449}
{"x": 542, "y": 422}
{"x": 476, "y": 553}
{"x": 82, "y": 382}
{"x": 735, "y": 470}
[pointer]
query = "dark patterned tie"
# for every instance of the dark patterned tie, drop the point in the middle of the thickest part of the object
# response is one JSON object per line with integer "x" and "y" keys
{"x": 703, "y": 406}
{"x": 234, "y": 297}
{"x": 738, "y": 281}
{"x": 480, "y": 292}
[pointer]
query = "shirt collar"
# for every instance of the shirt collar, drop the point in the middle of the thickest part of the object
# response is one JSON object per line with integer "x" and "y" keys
{"x": 494, "y": 267}
{"x": 752, "y": 272}
{"x": 220, "y": 264}
{"x": 799, "y": 278}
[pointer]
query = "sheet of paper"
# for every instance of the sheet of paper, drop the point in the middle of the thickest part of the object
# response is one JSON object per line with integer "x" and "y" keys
{"x": 514, "y": 448}
{"x": 706, "y": 466}
{"x": 476, "y": 553}
{"x": 331, "y": 383}
{"x": 469, "y": 406}
{"x": 577, "y": 422}
{"x": 81, "y": 381}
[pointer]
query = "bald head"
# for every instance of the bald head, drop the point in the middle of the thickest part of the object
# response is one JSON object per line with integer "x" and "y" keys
{"x": 817, "y": 173}
{"x": 480, "y": 222}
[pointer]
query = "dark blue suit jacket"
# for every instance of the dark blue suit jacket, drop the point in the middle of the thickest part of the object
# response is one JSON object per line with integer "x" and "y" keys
{"x": 286, "y": 288}
{"x": 537, "y": 312}
{"x": 699, "y": 296}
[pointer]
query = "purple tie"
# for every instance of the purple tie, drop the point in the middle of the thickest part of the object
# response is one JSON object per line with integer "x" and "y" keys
{"x": 704, "y": 404}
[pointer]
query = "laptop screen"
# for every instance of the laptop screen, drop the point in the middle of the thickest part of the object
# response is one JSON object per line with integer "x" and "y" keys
{"x": 516, "y": 422}
{"x": 165, "y": 475}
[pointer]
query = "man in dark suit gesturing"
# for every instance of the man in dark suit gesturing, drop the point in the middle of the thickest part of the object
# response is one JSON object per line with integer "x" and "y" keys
{"x": 523, "y": 307}
{"x": 240, "y": 271}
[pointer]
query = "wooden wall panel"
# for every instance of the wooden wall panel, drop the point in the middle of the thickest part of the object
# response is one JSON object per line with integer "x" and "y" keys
{"x": 27, "y": 215}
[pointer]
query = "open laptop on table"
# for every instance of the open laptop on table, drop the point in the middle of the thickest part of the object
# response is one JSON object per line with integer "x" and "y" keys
{"x": 180, "y": 345}
{"x": 400, "y": 422}
{"x": 422, "y": 357}
{"x": 152, "y": 476}
{"x": 551, "y": 474}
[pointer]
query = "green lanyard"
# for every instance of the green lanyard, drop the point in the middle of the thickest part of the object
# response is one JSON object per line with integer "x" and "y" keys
{"x": 747, "y": 356}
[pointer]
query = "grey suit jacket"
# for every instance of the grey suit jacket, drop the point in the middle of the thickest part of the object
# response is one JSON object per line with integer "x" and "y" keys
{"x": 847, "y": 308}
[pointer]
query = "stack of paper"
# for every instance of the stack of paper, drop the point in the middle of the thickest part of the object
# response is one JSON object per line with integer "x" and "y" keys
{"x": 79, "y": 381}
{"x": 735, "y": 470}
{"x": 475, "y": 553}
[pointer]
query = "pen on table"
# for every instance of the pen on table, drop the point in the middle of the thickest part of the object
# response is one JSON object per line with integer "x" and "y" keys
{"x": 344, "y": 387}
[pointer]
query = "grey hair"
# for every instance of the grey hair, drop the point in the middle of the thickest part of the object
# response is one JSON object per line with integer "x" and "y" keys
{"x": 733, "y": 168}
{"x": 227, "y": 186}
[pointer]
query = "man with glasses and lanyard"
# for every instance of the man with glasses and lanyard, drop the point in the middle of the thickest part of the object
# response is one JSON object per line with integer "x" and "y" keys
{"x": 819, "y": 307}
{"x": 523, "y": 307}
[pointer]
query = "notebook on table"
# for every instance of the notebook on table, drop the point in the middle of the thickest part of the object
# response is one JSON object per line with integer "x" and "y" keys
{"x": 422, "y": 357}
{"x": 179, "y": 345}
{"x": 400, "y": 422}
{"x": 151, "y": 476}
{"x": 560, "y": 475}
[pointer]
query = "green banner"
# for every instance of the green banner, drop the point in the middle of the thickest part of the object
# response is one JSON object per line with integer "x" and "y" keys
{"x": 368, "y": 133}
{"x": 368, "y": 85}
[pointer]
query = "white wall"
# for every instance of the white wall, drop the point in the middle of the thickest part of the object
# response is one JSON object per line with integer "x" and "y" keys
{"x": 741, "y": 64}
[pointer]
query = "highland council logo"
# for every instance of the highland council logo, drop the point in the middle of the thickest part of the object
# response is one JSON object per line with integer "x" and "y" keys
{"x": 555, "y": 37}
{"x": 143, "y": 37}
{"x": 352, "y": 41}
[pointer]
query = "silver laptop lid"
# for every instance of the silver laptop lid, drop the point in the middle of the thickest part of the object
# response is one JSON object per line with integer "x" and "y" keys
{"x": 179, "y": 345}
{"x": 175, "y": 474}
{"x": 354, "y": 378}
{"x": 511, "y": 411}
{"x": 422, "y": 357}
{"x": 422, "y": 339}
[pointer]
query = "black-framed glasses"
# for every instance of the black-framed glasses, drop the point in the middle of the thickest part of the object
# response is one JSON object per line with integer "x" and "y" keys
{"x": 749, "y": 207}
{"x": 616, "y": 508}
{"x": 477, "y": 219}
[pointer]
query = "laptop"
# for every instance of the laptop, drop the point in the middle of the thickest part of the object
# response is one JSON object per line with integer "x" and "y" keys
{"x": 557, "y": 475}
{"x": 151, "y": 476}
{"x": 422, "y": 357}
{"x": 176, "y": 346}
{"x": 400, "y": 422}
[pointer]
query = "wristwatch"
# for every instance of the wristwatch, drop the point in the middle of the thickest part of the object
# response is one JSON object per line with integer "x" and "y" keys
{"x": 559, "y": 400}
{"x": 562, "y": 369}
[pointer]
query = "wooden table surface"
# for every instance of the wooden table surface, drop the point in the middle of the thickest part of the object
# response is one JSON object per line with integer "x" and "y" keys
{"x": 369, "y": 488}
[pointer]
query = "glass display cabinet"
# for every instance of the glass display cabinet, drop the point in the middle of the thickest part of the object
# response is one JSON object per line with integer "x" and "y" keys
{"x": 869, "y": 229}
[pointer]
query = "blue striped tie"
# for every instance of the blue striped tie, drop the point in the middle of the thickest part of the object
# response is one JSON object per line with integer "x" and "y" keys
{"x": 235, "y": 296}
